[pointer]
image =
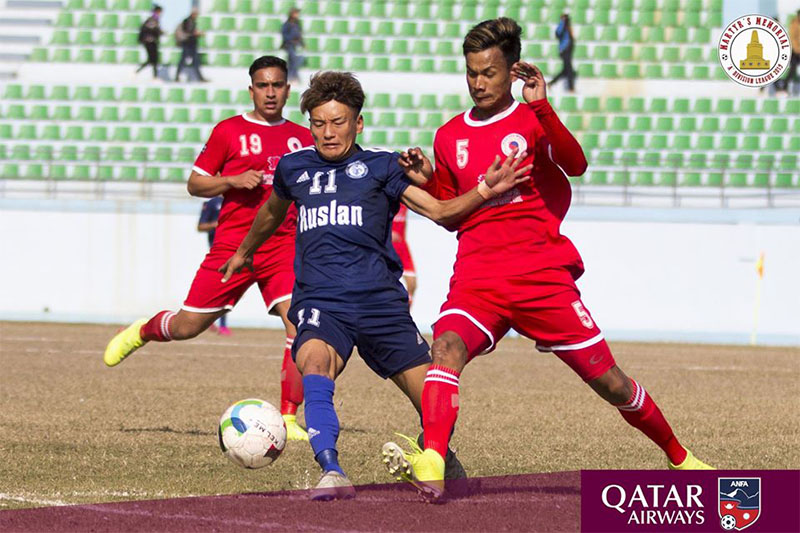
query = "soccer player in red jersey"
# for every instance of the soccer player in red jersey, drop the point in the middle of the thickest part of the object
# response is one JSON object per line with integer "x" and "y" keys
{"x": 238, "y": 162}
{"x": 401, "y": 247}
{"x": 514, "y": 269}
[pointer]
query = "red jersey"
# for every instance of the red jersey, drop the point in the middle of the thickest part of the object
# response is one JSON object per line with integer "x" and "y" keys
{"x": 399, "y": 222}
{"x": 518, "y": 232}
{"x": 239, "y": 144}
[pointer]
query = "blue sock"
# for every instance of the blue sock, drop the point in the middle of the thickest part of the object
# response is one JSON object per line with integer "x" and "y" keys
{"x": 321, "y": 420}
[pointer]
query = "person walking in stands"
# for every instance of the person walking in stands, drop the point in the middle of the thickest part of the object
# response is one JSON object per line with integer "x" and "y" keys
{"x": 209, "y": 216}
{"x": 566, "y": 45}
{"x": 792, "y": 80}
{"x": 187, "y": 36}
{"x": 149, "y": 34}
{"x": 292, "y": 35}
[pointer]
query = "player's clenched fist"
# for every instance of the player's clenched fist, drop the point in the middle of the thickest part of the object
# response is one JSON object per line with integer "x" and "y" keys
{"x": 416, "y": 165}
{"x": 248, "y": 180}
{"x": 234, "y": 265}
{"x": 502, "y": 178}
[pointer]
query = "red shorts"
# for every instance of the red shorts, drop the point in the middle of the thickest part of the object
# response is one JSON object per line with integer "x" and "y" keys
{"x": 544, "y": 306}
{"x": 273, "y": 271}
{"x": 401, "y": 247}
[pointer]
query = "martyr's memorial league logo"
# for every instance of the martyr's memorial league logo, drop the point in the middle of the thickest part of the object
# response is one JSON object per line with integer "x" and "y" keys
{"x": 754, "y": 50}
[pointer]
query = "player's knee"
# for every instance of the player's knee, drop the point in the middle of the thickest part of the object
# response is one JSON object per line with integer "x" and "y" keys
{"x": 614, "y": 386}
{"x": 449, "y": 350}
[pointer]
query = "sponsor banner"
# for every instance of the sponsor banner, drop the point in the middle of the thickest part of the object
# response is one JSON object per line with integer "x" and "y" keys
{"x": 700, "y": 500}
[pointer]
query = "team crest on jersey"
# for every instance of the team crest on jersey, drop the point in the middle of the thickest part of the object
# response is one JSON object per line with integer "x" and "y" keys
{"x": 739, "y": 502}
{"x": 272, "y": 161}
{"x": 356, "y": 170}
{"x": 513, "y": 140}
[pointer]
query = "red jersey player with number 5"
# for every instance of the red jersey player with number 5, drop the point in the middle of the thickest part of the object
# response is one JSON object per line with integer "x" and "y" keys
{"x": 514, "y": 269}
{"x": 238, "y": 162}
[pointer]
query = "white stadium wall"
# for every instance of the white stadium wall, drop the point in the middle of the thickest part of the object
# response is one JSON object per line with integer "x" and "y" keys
{"x": 652, "y": 274}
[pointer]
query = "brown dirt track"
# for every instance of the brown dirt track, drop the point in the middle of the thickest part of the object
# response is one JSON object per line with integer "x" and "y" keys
{"x": 75, "y": 432}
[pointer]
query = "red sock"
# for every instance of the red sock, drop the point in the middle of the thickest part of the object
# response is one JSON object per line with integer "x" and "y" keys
{"x": 439, "y": 407}
{"x": 291, "y": 382}
{"x": 642, "y": 413}
{"x": 157, "y": 328}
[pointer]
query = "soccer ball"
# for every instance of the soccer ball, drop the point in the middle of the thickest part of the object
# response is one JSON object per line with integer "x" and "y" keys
{"x": 252, "y": 433}
{"x": 728, "y": 522}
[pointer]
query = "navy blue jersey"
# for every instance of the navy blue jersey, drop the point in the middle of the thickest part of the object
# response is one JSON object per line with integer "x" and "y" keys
{"x": 210, "y": 213}
{"x": 344, "y": 253}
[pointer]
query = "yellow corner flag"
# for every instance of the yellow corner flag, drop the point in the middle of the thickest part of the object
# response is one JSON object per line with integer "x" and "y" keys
{"x": 757, "y": 303}
{"x": 760, "y": 266}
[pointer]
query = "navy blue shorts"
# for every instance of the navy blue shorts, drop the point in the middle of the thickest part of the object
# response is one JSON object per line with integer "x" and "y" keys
{"x": 387, "y": 339}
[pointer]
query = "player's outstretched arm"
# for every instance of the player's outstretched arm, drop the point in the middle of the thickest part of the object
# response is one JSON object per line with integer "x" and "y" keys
{"x": 499, "y": 179}
{"x": 565, "y": 150}
{"x": 268, "y": 219}
{"x": 416, "y": 165}
{"x": 210, "y": 186}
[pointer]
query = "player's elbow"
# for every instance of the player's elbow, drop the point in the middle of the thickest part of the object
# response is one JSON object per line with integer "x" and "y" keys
{"x": 580, "y": 168}
{"x": 191, "y": 187}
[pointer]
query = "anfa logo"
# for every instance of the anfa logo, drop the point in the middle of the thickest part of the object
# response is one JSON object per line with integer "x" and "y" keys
{"x": 739, "y": 502}
{"x": 754, "y": 50}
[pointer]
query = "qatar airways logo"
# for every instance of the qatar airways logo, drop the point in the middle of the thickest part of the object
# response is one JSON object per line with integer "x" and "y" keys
{"x": 329, "y": 215}
{"x": 651, "y": 505}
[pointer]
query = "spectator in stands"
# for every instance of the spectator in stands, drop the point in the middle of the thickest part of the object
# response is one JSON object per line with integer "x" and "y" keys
{"x": 209, "y": 216}
{"x": 792, "y": 80}
{"x": 186, "y": 36}
{"x": 149, "y": 34}
{"x": 566, "y": 45}
{"x": 292, "y": 35}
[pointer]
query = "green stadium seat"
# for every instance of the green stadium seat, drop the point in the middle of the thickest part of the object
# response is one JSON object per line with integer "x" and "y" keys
{"x": 44, "y": 153}
{"x": 128, "y": 173}
{"x": 728, "y": 143}
{"x": 62, "y": 112}
{"x": 140, "y": 154}
{"x": 774, "y": 143}
{"x": 452, "y": 31}
{"x": 21, "y": 152}
{"x": 609, "y": 71}
{"x": 658, "y": 142}
{"x": 574, "y": 122}
{"x": 224, "y": 113}
{"x": 586, "y": 70}
{"x": 65, "y": 20}
{"x": 705, "y": 142}
{"x": 358, "y": 63}
{"x": 710, "y": 125}
{"x": 733, "y": 125}
{"x": 334, "y": 63}
{"x": 109, "y": 114}
{"x": 653, "y": 71}
{"x": 121, "y": 134}
{"x": 51, "y": 132}
{"x": 433, "y": 120}
{"x": 131, "y": 56}
{"x": 26, "y": 132}
{"x": 68, "y": 153}
{"x": 10, "y": 171}
{"x": 590, "y": 141}
{"x": 681, "y": 142}
{"x": 180, "y": 115}
{"x": 168, "y": 135}
{"x": 226, "y": 24}
{"x": 91, "y": 153}
{"x": 115, "y": 154}
{"x": 146, "y": 134}
{"x": 755, "y": 124}
{"x": 597, "y": 123}
{"x": 186, "y": 155}
{"x": 751, "y": 143}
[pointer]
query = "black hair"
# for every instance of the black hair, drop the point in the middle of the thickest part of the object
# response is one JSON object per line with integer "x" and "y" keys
{"x": 267, "y": 62}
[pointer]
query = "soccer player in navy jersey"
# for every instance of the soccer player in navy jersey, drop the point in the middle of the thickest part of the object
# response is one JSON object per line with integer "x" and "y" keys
{"x": 347, "y": 291}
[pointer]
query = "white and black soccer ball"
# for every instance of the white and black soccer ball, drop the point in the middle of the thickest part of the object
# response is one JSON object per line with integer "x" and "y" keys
{"x": 252, "y": 433}
{"x": 728, "y": 522}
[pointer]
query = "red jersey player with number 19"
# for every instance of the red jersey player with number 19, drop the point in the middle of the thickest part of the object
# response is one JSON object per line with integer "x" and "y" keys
{"x": 238, "y": 161}
{"x": 514, "y": 269}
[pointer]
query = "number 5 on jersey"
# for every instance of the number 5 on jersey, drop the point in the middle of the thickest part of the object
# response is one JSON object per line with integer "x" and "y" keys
{"x": 462, "y": 155}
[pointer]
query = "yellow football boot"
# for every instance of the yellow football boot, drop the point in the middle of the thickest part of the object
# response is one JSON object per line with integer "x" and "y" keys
{"x": 293, "y": 430}
{"x": 422, "y": 468}
{"x": 691, "y": 463}
{"x": 124, "y": 343}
